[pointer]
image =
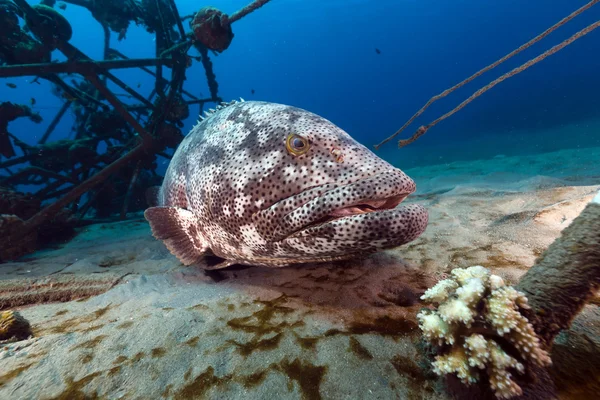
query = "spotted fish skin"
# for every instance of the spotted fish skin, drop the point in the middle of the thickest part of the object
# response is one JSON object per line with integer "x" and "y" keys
{"x": 234, "y": 189}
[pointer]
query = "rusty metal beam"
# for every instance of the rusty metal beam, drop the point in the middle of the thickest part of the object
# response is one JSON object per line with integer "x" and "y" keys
{"x": 55, "y": 122}
{"x": 124, "y": 57}
{"x": 95, "y": 72}
{"x": 112, "y": 99}
{"x": 42, "y": 216}
{"x": 177, "y": 18}
{"x": 78, "y": 66}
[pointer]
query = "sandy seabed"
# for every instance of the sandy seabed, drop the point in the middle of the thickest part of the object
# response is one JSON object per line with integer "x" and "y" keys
{"x": 116, "y": 316}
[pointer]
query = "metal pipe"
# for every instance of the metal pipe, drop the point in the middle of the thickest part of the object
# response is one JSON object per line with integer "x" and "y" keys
{"x": 55, "y": 122}
{"x": 78, "y": 66}
{"x": 177, "y": 18}
{"x": 45, "y": 213}
{"x": 112, "y": 99}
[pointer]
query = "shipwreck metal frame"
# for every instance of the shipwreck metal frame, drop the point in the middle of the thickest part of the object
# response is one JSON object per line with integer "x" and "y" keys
{"x": 96, "y": 72}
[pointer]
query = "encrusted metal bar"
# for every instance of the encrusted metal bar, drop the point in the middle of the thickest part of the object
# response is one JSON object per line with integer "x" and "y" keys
{"x": 55, "y": 122}
{"x": 112, "y": 99}
{"x": 39, "y": 218}
{"x": 78, "y": 66}
{"x": 66, "y": 169}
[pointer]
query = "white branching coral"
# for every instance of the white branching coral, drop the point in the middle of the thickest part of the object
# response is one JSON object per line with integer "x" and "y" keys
{"x": 475, "y": 309}
{"x": 440, "y": 292}
{"x": 435, "y": 329}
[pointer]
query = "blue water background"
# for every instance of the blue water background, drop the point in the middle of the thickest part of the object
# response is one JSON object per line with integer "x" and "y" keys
{"x": 320, "y": 55}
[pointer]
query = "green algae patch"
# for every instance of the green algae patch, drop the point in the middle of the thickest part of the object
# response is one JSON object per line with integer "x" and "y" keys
{"x": 384, "y": 326}
{"x": 306, "y": 375}
{"x": 261, "y": 322}
{"x": 86, "y": 358}
{"x": 198, "y": 388}
{"x": 193, "y": 341}
{"x": 253, "y": 380}
{"x": 114, "y": 370}
{"x": 125, "y": 325}
{"x": 120, "y": 360}
{"x": 158, "y": 352}
{"x": 73, "y": 324}
{"x": 418, "y": 378}
{"x": 358, "y": 349}
{"x": 115, "y": 261}
{"x": 307, "y": 343}
{"x": 245, "y": 349}
{"x": 405, "y": 366}
{"x": 100, "y": 312}
{"x": 90, "y": 344}
{"x": 9, "y": 376}
{"x": 137, "y": 357}
{"x": 167, "y": 390}
{"x": 74, "y": 389}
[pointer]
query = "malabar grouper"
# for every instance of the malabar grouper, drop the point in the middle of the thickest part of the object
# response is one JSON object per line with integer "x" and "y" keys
{"x": 267, "y": 184}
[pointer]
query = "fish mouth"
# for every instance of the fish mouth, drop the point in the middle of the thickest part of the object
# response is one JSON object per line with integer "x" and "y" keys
{"x": 364, "y": 207}
{"x": 359, "y": 205}
{"x": 370, "y": 206}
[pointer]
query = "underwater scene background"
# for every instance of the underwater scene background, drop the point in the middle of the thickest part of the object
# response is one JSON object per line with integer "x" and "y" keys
{"x": 480, "y": 284}
{"x": 322, "y": 56}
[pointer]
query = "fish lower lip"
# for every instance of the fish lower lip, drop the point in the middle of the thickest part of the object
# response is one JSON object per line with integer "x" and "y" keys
{"x": 363, "y": 208}
{"x": 370, "y": 206}
{"x": 379, "y": 229}
{"x": 370, "y": 195}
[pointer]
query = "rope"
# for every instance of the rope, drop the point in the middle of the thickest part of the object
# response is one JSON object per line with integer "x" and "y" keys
{"x": 423, "y": 129}
{"x": 249, "y": 8}
{"x": 446, "y": 92}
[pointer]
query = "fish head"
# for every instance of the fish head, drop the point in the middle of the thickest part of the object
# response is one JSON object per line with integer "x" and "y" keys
{"x": 297, "y": 188}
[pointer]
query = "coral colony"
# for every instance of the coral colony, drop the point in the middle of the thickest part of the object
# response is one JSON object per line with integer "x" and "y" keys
{"x": 474, "y": 310}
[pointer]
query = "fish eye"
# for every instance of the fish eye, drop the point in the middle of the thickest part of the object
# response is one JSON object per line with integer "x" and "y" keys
{"x": 296, "y": 145}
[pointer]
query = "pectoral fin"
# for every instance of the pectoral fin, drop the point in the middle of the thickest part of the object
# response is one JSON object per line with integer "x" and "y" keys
{"x": 177, "y": 228}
